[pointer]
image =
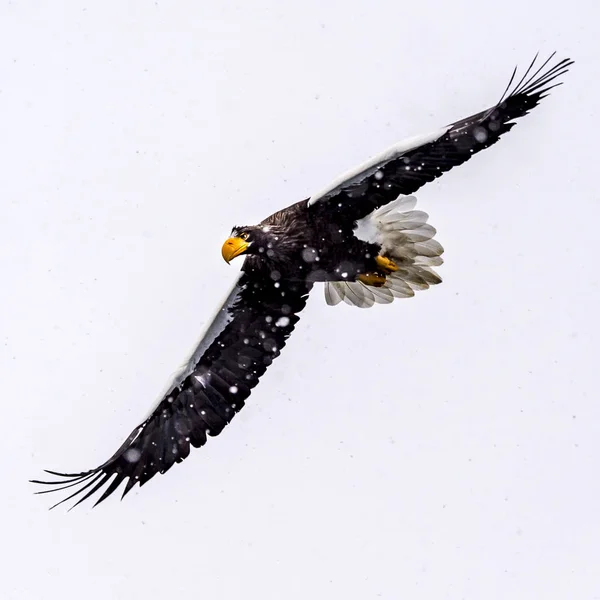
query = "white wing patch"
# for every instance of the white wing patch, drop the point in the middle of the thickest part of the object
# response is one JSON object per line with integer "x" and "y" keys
{"x": 357, "y": 175}
{"x": 406, "y": 238}
{"x": 207, "y": 337}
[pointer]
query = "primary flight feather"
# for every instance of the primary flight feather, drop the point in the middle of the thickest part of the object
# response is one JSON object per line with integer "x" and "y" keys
{"x": 359, "y": 236}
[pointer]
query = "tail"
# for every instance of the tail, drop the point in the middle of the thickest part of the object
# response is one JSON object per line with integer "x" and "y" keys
{"x": 406, "y": 238}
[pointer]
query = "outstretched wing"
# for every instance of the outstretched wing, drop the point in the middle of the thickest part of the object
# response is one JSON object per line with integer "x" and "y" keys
{"x": 405, "y": 167}
{"x": 248, "y": 332}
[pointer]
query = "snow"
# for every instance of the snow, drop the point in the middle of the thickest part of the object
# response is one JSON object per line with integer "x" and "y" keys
{"x": 424, "y": 449}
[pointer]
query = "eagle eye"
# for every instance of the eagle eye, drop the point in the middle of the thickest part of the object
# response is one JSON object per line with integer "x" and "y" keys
{"x": 244, "y": 236}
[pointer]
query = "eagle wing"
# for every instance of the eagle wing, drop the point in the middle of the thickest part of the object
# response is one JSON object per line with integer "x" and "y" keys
{"x": 405, "y": 167}
{"x": 247, "y": 333}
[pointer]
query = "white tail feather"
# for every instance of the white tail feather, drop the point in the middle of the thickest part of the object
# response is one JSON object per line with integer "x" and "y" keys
{"x": 404, "y": 237}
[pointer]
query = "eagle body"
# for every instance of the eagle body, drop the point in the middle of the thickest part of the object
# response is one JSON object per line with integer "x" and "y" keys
{"x": 300, "y": 243}
{"x": 360, "y": 237}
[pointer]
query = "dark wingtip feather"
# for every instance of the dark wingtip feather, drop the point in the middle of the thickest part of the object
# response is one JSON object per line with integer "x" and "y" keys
{"x": 116, "y": 482}
{"x": 103, "y": 477}
{"x": 539, "y": 84}
{"x": 128, "y": 487}
{"x": 532, "y": 86}
{"x": 79, "y": 491}
{"x": 70, "y": 480}
{"x": 66, "y": 474}
{"x": 61, "y": 485}
{"x": 528, "y": 70}
{"x": 512, "y": 78}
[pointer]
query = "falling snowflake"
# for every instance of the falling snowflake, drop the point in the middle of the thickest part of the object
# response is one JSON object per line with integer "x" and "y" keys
{"x": 132, "y": 455}
{"x": 309, "y": 255}
{"x": 282, "y": 322}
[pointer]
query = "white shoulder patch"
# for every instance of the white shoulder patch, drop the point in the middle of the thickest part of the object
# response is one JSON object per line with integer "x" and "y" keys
{"x": 358, "y": 174}
{"x": 207, "y": 337}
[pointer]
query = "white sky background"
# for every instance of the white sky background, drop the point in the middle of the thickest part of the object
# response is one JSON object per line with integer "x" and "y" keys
{"x": 442, "y": 447}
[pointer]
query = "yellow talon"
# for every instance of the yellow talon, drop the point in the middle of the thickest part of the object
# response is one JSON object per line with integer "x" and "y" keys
{"x": 385, "y": 264}
{"x": 373, "y": 279}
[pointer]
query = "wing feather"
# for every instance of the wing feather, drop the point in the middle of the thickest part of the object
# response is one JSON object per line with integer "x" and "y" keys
{"x": 248, "y": 332}
{"x": 407, "y": 166}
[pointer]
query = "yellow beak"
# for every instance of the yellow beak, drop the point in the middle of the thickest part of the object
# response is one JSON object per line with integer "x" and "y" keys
{"x": 233, "y": 247}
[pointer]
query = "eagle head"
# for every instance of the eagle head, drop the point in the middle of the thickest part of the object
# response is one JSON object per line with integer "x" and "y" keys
{"x": 258, "y": 240}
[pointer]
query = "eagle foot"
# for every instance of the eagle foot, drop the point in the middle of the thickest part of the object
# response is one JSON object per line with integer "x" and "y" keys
{"x": 386, "y": 265}
{"x": 374, "y": 279}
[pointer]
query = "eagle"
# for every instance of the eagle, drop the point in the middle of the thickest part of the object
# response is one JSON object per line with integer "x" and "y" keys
{"x": 360, "y": 236}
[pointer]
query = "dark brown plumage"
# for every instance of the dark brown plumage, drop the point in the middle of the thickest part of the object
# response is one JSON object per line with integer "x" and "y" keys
{"x": 311, "y": 241}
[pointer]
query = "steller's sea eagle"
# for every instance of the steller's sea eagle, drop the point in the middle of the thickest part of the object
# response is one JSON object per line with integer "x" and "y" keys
{"x": 360, "y": 236}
